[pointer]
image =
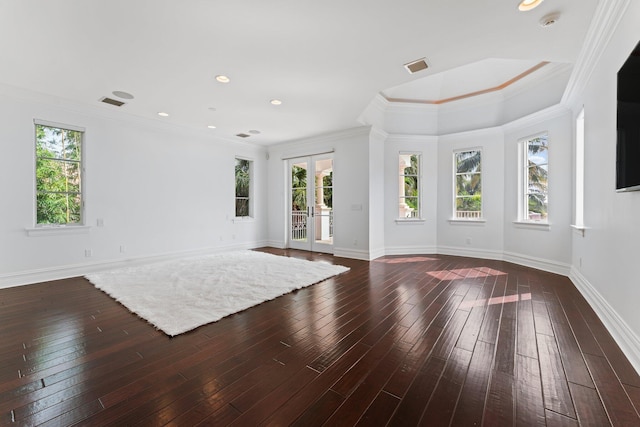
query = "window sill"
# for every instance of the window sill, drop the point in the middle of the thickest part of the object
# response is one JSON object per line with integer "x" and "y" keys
{"x": 57, "y": 230}
{"x": 580, "y": 229}
{"x": 410, "y": 221}
{"x": 532, "y": 225}
{"x": 460, "y": 221}
{"x": 243, "y": 219}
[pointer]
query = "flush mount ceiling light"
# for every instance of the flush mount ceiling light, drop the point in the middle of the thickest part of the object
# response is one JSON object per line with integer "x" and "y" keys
{"x": 275, "y": 102}
{"x": 222, "y": 78}
{"x": 121, "y": 94}
{"x": 211, "y": 127}
{"x": 212, "y": 108}
{"x": 526, "y": 5}
{"x": 163, "y": 114}
{"x": 254, "y": 132}
{"x": 417, "y": 65}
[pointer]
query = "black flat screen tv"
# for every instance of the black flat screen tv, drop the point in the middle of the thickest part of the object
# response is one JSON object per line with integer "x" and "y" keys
{"x": 628, "y": 124}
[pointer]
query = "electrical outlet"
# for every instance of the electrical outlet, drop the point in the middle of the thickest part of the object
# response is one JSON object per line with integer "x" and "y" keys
{"x": 123, "y": 249}
{"x": 87, "y": 253}
{"x": 468, "y": 240}
{"x": 100, "y": 222}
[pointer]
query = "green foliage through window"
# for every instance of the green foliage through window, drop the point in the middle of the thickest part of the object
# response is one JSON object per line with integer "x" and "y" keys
{"x": 468, "y": 184}
{"x": 536, "y": 178}
{"x": 58, "y": 175}
{"x": 410, "y": 186}
{"x": 243, "y": 187}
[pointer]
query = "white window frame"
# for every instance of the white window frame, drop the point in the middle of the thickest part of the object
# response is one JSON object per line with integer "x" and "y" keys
{"x": 523, "y": 180}
{"x": 39, "y": 228}
{"x": 401, "y": 204}
{"x": 251, "y": 186}
{"x": 455, "y": 216}
{"x": 579, "y": 183}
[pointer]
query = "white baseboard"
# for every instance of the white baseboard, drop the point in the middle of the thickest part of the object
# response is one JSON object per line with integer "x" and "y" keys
{"x": 278, "y": 244}
{"x": 410, "y": 250}
{"x": 624, "y": 336}
{"x": 470, "y": 252}
{"x": 352, "y": 253}
{"x": 538, "y": 263}
{"x": 74, "y": 270}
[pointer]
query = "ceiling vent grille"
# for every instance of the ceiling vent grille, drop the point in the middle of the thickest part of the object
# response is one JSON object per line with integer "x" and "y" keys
{"x": 112, "y": 101}
{"x": 415, "y": 66}
{"x": 243, "y": 135}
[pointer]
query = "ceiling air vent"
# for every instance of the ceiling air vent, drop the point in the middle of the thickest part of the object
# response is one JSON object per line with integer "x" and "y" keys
{"x": 415, "y": 66}
{"x": 112, "y": 101}
{"x": 243, "y": 135}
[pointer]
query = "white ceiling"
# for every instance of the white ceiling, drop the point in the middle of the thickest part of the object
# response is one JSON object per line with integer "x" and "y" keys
{"x": 325, "y": 60}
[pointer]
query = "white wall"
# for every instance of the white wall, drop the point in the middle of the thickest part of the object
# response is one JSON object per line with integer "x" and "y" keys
{"x": 159, "y": 189}
{"x": 350, "y": 193}
{"x": 548, "y": 248}
{"x": 604, "y": 260}
{"x": 482, "y": 239}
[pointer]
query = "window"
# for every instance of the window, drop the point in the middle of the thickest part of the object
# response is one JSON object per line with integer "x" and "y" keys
{"x": 243, "y": 187}
{"x": 534, "y": 179}
{"x": 580, "y": 170}
{"x": 409, "y": 185}
{"x": 468, "y": 176}
{"x": 58, "y": 174}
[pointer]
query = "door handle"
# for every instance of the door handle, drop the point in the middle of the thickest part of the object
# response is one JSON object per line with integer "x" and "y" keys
{"x": 313, "y": 211}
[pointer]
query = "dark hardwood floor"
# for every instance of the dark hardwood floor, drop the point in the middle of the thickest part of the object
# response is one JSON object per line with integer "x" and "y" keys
{"x": 429, "y": 340}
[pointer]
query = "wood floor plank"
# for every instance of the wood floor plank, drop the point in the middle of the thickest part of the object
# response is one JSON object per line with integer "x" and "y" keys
{"x": 557, "y": 397}
{"x": 618, "y": 406}
{"x": 470, "y": 407}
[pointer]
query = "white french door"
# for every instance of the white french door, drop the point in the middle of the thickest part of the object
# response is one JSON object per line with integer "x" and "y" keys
{"x": 310, "y": 216}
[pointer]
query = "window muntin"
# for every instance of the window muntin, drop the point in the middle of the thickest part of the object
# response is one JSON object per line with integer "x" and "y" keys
{"x": 468, "y": 181}
{"x": 243, "y": 187}
{"x": 535, "y": 170}
{"x": 409, "y": 185}
{"x": 59, "y": 198}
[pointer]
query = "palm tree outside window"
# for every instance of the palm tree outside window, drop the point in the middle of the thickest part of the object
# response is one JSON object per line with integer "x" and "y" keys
{"x": 468, "y": 177}
{"x": 535, "y": 180}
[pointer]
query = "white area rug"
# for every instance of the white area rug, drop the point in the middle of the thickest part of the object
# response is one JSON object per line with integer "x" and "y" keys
{"x": 179, "y": 296}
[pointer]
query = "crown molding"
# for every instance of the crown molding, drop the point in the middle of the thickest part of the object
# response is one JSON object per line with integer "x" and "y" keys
{"x": 605, "y": 20}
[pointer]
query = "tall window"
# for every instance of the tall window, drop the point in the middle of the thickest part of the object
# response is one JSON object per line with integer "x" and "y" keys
{"x": 580, "y": 169}
{"x": 534, "y": 178}
{"x": 243, "y": 187}
{"x": 409, "y": 185}
{"x": 58, "y": 175}
{"x": 468, "y": 176}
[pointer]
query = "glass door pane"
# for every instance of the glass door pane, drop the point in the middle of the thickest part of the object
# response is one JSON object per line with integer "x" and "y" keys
{"x": 323, "y": 201}
{"x": 299, "y": 205}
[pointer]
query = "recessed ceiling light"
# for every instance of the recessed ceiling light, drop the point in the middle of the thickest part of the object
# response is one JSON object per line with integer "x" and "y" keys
{"x": 163, "y": 114}
{"x": 526, "y": 5}
{"x": 254, "y": 132}
{"x": 211, "y": 127}
{"x": 212, "y": 108}
{"x": 275, "y": 102}
{"x": 121, "y": 94}
{"x": 222, "y": 78}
